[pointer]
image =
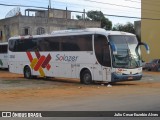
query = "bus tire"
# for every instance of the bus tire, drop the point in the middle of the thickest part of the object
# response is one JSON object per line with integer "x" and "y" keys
{"x": 27, "y": 72}
{"x": 86, "y": 77}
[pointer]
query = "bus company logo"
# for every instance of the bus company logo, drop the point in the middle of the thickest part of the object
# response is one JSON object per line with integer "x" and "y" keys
{"x": 40, "y": 62}
{"x": 66, "y": 58}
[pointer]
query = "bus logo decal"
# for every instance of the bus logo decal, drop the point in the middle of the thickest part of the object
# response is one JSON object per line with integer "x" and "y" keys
{"x": 66, "y": 58}
{"x": 40, "y": 62}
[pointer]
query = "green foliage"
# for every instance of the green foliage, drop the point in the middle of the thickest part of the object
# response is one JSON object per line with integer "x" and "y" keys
{"x": 79, "y": 17}
{"x": 128, "y": 27}
{"x": 97, "y": 16}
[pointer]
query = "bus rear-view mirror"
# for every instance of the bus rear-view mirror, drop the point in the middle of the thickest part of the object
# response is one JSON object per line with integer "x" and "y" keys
{"x": 146, "y": 47}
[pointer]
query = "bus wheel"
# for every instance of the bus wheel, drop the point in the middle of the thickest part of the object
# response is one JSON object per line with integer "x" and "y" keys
{"x": 86, "y": 77}
{"x": 27, "y": 72}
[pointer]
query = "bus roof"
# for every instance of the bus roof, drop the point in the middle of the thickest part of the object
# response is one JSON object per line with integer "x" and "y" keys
{"x": 91, "y": 30}
{"x": 76, "y": 32}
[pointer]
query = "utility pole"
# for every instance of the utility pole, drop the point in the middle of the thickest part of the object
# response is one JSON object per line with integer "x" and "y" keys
{"x": 50, "y": 4}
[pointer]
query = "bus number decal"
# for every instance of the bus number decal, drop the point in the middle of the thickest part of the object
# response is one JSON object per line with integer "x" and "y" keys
{"x": 40, "y": 62}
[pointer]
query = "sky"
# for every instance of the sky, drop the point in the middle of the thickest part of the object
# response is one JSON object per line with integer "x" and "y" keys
{"x": 112, "y": 7}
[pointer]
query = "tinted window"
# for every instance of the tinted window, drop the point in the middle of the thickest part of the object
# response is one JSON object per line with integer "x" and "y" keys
{"x": 22, "y": 45}
{"x": 3, "y": 48}
{"x": 54, "y": 44}
{"x": 102, "y": 50}
{"x": 77, "y": 43}
{"x": 64, "y": 43}
{"x": 48, "y": 44}
{"x": 12, "y": 45}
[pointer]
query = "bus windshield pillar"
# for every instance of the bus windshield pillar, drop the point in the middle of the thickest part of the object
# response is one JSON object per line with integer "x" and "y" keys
{"x": 114, "y": 48}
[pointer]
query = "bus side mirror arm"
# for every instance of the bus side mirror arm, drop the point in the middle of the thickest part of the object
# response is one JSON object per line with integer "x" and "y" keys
{"x": 113, "y": 47}
{"x": 146, "y": 46}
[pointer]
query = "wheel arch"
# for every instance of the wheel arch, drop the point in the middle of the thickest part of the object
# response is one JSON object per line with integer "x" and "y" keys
{"x": 27, "y": 66}
{"x": 86, "y": 68}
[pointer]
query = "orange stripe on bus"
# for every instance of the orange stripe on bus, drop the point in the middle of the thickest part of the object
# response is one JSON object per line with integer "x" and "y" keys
{"x": 29, "y": 56}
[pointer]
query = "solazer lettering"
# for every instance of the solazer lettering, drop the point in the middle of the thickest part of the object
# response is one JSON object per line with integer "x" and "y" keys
{"x": 66, "y": 58}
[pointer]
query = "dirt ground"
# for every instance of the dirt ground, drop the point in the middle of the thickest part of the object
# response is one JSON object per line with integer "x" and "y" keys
{"x": 14, "y": 87}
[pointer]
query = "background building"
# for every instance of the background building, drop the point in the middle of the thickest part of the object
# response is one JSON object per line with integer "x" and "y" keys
{"x": 150, "y": 29}
{"x": 36, "y": 22}
{"x": 137, "y": 27}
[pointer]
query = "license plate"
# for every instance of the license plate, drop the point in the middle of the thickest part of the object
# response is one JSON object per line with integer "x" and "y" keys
{"x": 130, "y": 78}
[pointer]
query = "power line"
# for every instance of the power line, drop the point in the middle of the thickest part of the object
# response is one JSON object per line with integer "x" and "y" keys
{"x": 71, "y": 4}
{"x": 89, "y": 6}
{"x": 158, "y": 12}
{"x": 112, "y": 4}
{"x": 131, "y": 17}
{"x": 147, "y": 11}
{"x": 133, "y": 1}
{"x": 77, "y": 11}
{"x": 118, "y": 10}
{"x": 120, "y": 5}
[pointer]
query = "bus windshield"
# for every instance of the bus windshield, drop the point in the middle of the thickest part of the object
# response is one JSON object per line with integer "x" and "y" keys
{"x": 128, "y": 56}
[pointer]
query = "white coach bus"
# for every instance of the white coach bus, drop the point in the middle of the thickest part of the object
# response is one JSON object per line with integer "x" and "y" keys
{"x": 91, "y": 54}
{"x": 4, "y": 55}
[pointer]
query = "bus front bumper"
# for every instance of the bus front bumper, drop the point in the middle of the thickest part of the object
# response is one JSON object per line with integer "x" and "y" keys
{"x": 129, "y": 77}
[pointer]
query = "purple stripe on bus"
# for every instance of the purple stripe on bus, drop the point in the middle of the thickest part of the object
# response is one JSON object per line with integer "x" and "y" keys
{"x": 47, "y": 60}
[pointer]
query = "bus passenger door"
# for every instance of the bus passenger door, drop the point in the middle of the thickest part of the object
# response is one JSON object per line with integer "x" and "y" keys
{"x": 106, "y": 74}
{"x": 106, "y": 61}
{"x": 102, "y": 53}
{"x": 97, "y": 69}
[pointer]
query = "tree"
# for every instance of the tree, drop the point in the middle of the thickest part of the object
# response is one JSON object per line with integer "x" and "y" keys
{"x": 118, "y": 27}
{"x": 98, "y": 16}
{"x": 128, "y": 27}
{"x": 79, "y": 17}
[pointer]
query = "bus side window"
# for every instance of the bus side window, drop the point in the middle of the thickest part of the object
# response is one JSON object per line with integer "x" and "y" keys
{"x": 54, "y": 44}
{"x": 3, "y": 49}
{"x": 69, "y": 43}
{"x": 11, "y": 45}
